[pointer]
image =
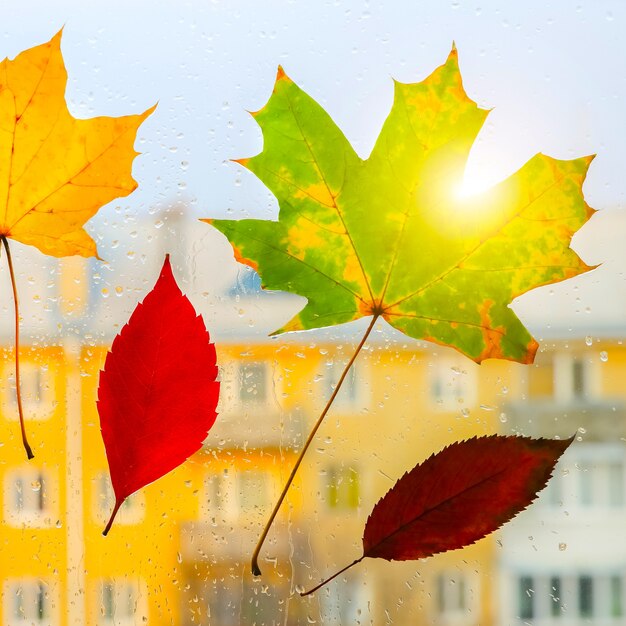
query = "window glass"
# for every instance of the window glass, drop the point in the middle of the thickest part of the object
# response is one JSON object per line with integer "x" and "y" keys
{"x": 453, "y": 383}
{"x": 29, "y": 602}
{"x": 526, "y": 601}
{"x": 38, "y": 393}
{"x": 342, "y": 487}
{"x": 253, "y": 382}
{"x": 30, "y": 497}
{"x": 551, "y": 75}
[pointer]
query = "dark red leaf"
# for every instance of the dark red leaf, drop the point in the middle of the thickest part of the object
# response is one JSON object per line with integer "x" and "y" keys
{"x": 157, "y": 394}
{"x": 459, "y": 495}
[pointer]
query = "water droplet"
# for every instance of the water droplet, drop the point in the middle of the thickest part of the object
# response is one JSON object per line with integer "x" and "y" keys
{"x": 179, "y": 557}
{"x": 59, "y": 523}
{"x": 588, "y": 340}
{"x": 104, "y": 292}
{"x": 562, "y": 546}
{"x": 35, "y": 485}
{"x": 503, "y": 418}
{"x": 604, "y": 357}
{"x": 465, "y": 412}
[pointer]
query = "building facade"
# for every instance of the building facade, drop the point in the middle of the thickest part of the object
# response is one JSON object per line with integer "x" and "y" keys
{"x": 178, "y": 553}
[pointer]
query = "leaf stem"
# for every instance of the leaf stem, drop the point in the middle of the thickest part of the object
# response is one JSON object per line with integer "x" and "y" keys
{"x": 116, "y": 508}
{"x": 18, "y": 392}
{"x": 255, "y": 557}
{"x": 341, "y": 571}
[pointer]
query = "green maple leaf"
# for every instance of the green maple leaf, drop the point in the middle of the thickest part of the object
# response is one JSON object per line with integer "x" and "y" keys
{"x": 389, "y": 236}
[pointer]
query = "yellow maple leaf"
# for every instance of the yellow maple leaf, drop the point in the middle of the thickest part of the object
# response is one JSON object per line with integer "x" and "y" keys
{"x": 56, "y": 171}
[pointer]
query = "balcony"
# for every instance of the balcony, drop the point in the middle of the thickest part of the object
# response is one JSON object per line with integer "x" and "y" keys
{"x": 601, "y": 419}
{"x": 254, "y": 426}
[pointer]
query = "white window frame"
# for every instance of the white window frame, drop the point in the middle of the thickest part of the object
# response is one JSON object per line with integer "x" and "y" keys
{"x": 563, "y": 364}
{"x": 227, "y": 504}
{"x": 26, "y": 592}
{"x": 449, "y": 582}
{"x": 38, "y": 406}
{"x": 590, "y": 462}
{"x": 231, "y": 376}
{"x": 345, "y": 602}
{"x": 456, "y": 378}
{"x": 355, "y": 393}
{"x": 568, "y": 599}
{"x": 39, "y": 506}
{"x": 124, "y": 593}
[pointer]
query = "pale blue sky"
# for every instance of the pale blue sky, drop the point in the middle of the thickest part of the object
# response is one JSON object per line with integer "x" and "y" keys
{"x": 554, "y": 72}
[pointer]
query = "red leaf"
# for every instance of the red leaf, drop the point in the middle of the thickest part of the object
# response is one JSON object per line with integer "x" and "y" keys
{"x": 457, "y": 496}
{"x": 157, "y": 394}
{"x": 460, "y": 495}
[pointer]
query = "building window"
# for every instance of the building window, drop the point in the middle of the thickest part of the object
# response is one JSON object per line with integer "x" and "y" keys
{"x": 254, "y": 491}
{"x": 253, "y": 382}
{"x": 229, "y": 601}
{"x": 589, "y": 476}
{"x": 556, "y": 605}
{"x": 585, "y": 596}
{"x": 220, "y": 498}
{"x": 353, "y": 392}
{"x": 132, "y": 510}
{"x": 120, "y": 602}
{"x": 454, "y": 597}
{"x": 616, "y": 596}
{"x": 345, "y": 602}
{"x": 579, "y": 379}
{"x": 28, "y": 497}
{"x": 526, "y": 600}
{"x": 27, "y": 602}
{"x": 37, "y": 391}
{"x": 342, "y": 488}
{"x": 574, "y": 377}
{"x": 550, "y": 599}
{"x": 452, "y": 383}
{"x": 234, "y": 494}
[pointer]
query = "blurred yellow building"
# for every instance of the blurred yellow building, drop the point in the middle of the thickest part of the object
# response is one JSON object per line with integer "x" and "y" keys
{"x": 178, "y": 553}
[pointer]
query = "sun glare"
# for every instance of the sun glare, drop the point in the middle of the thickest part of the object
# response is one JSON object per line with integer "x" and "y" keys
{"x": 471, "y": 186}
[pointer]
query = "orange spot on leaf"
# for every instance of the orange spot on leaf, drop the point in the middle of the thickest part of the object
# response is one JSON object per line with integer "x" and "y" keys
{"x": 365, "y": 308}
{"x": 280, "y": 74}
{"x": 244, "y": 261}
{"x": 491, "y": 336}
